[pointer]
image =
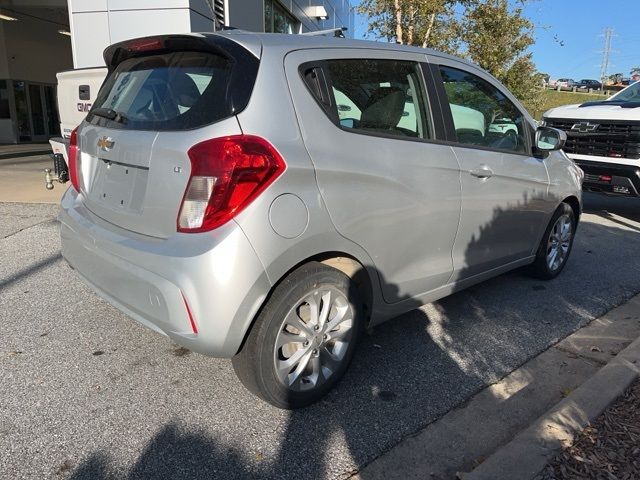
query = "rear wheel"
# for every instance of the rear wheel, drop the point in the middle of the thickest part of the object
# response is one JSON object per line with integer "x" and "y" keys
{"x": 556, "y": 244}
{"x": 303, "y": 339}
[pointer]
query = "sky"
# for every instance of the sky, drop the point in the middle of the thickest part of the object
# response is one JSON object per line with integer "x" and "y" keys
{"x": 569, "y": 36}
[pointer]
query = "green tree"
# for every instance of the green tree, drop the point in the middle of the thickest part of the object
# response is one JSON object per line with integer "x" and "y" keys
{"x": 497, "y": 38}
{"x": 425, "y": 23}
{"x": 490, "y": 33}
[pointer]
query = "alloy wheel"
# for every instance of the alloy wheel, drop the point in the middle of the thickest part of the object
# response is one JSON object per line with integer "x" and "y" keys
{"x": 559, "y": 242}
{"x": 313, "y": 339}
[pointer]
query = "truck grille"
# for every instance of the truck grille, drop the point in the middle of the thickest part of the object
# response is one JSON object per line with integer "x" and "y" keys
{"x": 609, "y": 139}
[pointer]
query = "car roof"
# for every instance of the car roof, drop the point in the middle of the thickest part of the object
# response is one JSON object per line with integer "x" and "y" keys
{"x": 285, "y": 43}
{"x": 290, "y": 42}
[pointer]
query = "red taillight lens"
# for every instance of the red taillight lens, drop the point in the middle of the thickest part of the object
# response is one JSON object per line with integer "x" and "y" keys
{"x": 227, "y": 174}
{"x": 74, "y": 159}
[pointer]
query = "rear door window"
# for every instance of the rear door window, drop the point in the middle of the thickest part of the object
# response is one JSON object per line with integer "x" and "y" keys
{"x": 379, "y": 96}
{"x": 172, "y": 91}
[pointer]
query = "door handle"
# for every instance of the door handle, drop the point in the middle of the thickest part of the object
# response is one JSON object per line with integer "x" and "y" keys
{"x": 482, "y": 171}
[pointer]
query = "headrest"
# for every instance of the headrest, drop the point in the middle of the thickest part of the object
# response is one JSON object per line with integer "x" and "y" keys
{"x": 383, "y": 109}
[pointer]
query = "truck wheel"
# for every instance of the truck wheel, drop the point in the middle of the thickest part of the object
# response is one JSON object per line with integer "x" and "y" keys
{"x": 556, "y": 244}
{"x": 303, "y": 339}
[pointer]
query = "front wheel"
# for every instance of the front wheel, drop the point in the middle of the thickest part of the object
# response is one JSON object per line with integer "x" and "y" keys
{"x": 556, "y": 244}
{"x": 303, "y": 339}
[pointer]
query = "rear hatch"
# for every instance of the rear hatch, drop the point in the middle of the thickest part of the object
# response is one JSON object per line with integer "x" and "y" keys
{"x": 162, "y": 96}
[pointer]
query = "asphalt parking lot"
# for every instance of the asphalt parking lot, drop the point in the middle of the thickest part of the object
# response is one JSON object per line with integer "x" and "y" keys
{"x": 22, "y": 180}
{"x": 88, "y": 393}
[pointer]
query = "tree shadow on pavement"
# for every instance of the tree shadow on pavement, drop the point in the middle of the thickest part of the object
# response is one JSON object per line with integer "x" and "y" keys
{"x": 174, "y": 452}
{"x": 410, "y": 371}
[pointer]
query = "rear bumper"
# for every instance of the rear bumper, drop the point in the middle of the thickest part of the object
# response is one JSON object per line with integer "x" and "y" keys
{"x": 625, "y": 179}
{"x": 152, "y": 280}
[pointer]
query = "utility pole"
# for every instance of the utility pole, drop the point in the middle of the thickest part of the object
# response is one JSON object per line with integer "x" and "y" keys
{"x": 604, "y": 67}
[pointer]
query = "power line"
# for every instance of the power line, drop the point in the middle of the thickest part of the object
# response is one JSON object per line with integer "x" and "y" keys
{"x": 606, "y": 53}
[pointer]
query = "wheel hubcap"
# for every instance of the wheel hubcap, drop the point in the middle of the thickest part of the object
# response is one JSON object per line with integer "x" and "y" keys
{"x": 559, "y": 242}
{"x": 313, "y": 339}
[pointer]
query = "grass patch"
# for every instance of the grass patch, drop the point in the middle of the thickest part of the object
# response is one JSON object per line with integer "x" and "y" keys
{"x": 553, "y": 98}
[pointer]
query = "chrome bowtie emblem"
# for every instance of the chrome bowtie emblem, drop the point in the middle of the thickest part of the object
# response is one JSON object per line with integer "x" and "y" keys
{"x": 105, "y": 143}
{"x": 584, "y": 127}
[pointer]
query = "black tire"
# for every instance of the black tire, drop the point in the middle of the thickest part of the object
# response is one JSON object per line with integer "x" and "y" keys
{"x": 255, "y": 364}
{"x": 540, "y": 267}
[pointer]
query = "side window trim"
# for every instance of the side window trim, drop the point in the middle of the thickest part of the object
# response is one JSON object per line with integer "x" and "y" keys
{"x": 421, "y": 122}
{"x": 314, "y": 75}
{"x": 448, "y": 116}
{"x": 444, "y": 129}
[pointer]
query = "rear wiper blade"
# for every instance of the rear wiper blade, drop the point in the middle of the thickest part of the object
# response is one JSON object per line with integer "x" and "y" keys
{"x": 110, "y": 114}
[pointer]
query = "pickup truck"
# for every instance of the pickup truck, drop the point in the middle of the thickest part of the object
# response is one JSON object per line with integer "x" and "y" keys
{"x": 603, "y": 138}
{"x": 77, "y": 89}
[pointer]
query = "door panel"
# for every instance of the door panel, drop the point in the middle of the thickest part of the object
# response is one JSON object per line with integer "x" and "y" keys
{"x": 501, "y": 214}
{"x": 398, "y": 198}
{"x": 504, "y": 188}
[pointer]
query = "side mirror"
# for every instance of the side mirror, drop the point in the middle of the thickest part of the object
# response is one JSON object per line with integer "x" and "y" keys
{"x": 549, "y": 139}
{"x": 348, "y": 122}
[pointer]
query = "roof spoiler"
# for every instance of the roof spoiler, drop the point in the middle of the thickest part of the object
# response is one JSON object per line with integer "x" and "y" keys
{"x": 136, "y": 47}
{"x": 337, "y": 32}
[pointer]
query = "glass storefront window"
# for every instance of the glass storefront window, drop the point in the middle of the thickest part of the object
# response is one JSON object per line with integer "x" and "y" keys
{"x": 268, "y": 15}
{"x": 35, "y": 115}
{"x": 37, "y": 110}
{"x": 52, "y": 110}
{"x": 22, "y": 111}
{"x": 277, "y": 19}
{"x": 4, "y": 100}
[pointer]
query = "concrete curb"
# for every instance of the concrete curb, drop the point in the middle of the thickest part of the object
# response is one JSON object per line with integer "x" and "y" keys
{"x": 530, "y": 451}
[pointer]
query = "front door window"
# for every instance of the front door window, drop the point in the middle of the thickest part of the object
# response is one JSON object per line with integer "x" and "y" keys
{"x": 482, "y": 114}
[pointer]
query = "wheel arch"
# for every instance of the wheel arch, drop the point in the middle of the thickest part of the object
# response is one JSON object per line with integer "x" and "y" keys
{"x": 574, "y": 203}
{"x": 342, "y": 261}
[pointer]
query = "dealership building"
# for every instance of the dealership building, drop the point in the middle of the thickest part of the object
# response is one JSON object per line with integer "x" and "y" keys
{"x": 39, "y": 38}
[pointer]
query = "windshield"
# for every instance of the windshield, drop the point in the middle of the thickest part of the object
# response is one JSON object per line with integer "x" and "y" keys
{"x": 174, "y": 91}
{"x": 629, "y": 94}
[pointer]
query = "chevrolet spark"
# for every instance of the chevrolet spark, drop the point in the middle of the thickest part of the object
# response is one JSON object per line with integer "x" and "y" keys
{"x": 266, "y": 197}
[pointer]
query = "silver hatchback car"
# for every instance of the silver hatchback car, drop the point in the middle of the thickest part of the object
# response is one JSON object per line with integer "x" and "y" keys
{"x": 266, "y": 197}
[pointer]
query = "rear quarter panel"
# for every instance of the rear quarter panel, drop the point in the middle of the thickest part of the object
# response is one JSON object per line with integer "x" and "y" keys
{"x": 270, "y": 114}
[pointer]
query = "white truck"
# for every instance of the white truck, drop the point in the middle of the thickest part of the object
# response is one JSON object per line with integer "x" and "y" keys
{"x": 77, "y": 89}
{"x": 603, "y": 138}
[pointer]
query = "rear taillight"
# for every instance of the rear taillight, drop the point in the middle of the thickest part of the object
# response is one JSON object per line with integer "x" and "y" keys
{"x": 227, "y": 174}
{"x": 74, "y": 159}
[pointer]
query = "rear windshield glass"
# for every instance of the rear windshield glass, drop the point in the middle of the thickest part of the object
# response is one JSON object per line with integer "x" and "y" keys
{"x": 172, "y": 91}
